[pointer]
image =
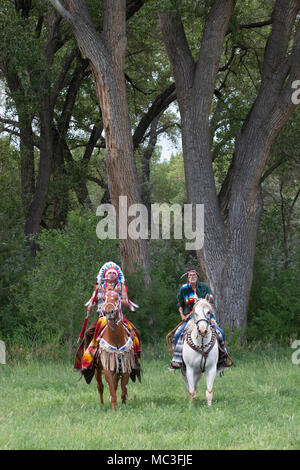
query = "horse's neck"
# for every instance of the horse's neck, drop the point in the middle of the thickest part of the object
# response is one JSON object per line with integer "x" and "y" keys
{"x": 115, "y": 334}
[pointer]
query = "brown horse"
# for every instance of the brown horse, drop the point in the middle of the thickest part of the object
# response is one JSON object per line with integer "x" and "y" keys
{"x": 116, "y": 357}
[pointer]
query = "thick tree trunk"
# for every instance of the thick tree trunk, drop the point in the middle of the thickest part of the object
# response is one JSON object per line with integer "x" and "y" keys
{"x": 106, "y": 55}
{"x": 232, "y": 218}
{"x": 227, "y": 257}
{"x": 122, "y": 177}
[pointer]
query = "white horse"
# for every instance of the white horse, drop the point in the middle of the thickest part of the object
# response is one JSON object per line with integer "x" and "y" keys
{"x": 200, "y": 350}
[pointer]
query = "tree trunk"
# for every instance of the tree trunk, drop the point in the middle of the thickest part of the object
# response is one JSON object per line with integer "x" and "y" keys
{"x": 122, "y": 177}
{"x": 27, "y": 162}
{"x": 232, "y": 219}
{"x": 106, "y": 55}
{"x": 37, "y": 206}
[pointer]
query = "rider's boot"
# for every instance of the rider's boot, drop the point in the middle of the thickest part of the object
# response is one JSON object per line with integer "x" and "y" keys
{"x": 224, "y": 358}
{"x": 136, "y": 371}
{"x": 175, "y": 365}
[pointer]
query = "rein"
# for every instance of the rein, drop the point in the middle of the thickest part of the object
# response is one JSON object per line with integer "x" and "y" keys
{"x": 200, "y": 320}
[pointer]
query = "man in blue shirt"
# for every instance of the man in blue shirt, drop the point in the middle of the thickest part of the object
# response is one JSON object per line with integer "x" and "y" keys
{"x": 187, "y": 295}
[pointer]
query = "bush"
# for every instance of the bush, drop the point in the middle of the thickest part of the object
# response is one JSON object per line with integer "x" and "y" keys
{"x": 158, "y": 312}
{"x": 274, "y": 308}
{"x": 50, "y": 302}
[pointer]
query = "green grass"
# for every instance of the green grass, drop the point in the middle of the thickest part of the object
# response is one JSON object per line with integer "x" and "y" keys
{"x": 256, "y": 406}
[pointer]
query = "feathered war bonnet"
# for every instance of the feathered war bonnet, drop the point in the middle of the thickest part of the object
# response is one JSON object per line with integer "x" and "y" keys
{"x": 108, "y": 267}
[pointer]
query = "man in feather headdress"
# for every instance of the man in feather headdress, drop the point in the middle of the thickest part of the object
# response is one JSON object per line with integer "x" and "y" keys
{"x": 110, "y": 277}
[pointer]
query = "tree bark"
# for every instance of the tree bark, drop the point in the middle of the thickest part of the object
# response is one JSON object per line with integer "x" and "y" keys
{"x": 232, "y": 217}
{"x": 36, "y": 208}
{"x": 27, "y": 161}
{"x": 26, "y": 133}
{"x": 106, "y": 55}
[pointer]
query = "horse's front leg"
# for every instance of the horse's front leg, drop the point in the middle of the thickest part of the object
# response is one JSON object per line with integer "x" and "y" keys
{"x": 191, "y": 381}
{"x": 110, "y": 379}
{"x": 210, "y": 378}
{"x": 124, "y": 385}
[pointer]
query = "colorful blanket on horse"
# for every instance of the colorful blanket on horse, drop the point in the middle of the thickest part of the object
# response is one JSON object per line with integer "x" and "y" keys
{"x": 84, "y": 358}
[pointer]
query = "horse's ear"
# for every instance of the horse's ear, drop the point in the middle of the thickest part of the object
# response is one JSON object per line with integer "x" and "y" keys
{"x": 209, "y": 298}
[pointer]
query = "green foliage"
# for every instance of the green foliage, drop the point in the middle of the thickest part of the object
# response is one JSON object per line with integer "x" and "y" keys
{"x": 167, "y": 181}
{"x": 43, "y": 300}
{"x": 158, "y": 313}
{"x": 50, "y": 303}
{"x": 14, "y": 255}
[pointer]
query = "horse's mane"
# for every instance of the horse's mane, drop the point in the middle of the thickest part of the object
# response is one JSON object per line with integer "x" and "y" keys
{"x": 204, "y": 303}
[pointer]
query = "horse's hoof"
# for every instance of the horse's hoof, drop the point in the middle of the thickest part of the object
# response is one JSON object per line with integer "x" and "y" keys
{"x": 209, "y": 396}
{"x": 192, "y": 395}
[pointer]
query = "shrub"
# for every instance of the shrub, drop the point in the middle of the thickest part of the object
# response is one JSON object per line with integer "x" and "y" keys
{"x": 274, "y": 309}
{"x": 50, "y": 302}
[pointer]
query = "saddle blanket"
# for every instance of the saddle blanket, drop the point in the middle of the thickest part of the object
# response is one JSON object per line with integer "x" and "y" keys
{"x": 84, "y": 358}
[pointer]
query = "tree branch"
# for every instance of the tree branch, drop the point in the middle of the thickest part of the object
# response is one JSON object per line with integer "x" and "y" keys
{"x": 129, "y": 80}
{"x": 61, "y": 10}
{"x": 71, "y": 95}
{"x": 61, "y": 78}
{"x": 132, "y": 6}
{"x": 178, "y": 50}
{"x": 273, "y": 104}
{"x": 160, "y": 103}
{"x": 283, "y": 20}
{"x": 214, "y": 32}
{"x": 285, "y": 105}
{"x": 258, "y": 24}
{"x": 114, "y": 27}
{"x": 94, "y": 137}
{"x": 272, "y": 168}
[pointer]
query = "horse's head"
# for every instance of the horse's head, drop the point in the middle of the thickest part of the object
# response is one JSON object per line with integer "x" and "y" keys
{"x": 111, "y": 305}
{"x": 201, "y": 315}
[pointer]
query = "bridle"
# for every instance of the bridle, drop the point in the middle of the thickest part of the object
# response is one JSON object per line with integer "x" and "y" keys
{"x": 205, "y": 347}
{"x": 197, "y": 326}
{"x": 112, "y": 314}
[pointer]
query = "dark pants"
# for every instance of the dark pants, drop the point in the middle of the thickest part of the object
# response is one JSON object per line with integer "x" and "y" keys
{"x": 89, "y": 334}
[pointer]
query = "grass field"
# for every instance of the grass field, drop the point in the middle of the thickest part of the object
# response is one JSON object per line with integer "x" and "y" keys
{"x": 256, "y": 406}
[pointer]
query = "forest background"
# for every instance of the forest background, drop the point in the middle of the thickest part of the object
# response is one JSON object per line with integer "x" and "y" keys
{"x": 48, "y": 95}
